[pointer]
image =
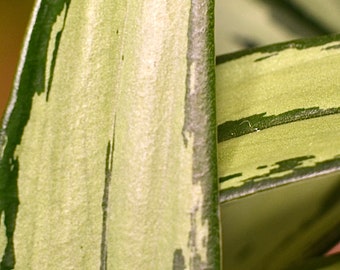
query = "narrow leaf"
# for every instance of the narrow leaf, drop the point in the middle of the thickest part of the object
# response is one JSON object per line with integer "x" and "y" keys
{"x": 278, "y": 115}
{"x": 109, "y": 139}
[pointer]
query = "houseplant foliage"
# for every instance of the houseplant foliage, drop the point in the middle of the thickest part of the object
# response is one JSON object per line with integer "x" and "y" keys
{"x": 247, "y": 82}
{"x": 283, "y": 133}
{"x": 109, "y": 144}
{"x": 108, "y": 141}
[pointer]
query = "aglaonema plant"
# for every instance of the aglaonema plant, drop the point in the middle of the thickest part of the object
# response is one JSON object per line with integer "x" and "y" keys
{"x": 278, "y": 154}
{"x": 108, "y": 142}
{"x": 108, "y": 145}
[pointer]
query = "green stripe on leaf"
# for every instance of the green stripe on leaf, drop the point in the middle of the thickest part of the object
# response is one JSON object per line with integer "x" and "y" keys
{"x": 291, "y": 169}
{"x": 299, "y": 44}
{"x": 255, "y": 123}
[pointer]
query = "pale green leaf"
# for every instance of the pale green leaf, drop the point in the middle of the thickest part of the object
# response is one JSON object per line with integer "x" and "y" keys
{"x": 278, "y": 116}
{"x": 110, "y": 139}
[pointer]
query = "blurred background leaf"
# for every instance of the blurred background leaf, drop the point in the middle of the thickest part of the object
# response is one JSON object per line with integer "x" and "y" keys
{"x": 251, "y": 23}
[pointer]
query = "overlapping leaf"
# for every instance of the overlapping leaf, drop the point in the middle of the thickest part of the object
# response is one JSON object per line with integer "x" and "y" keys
{"x": 278, "y": 117}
